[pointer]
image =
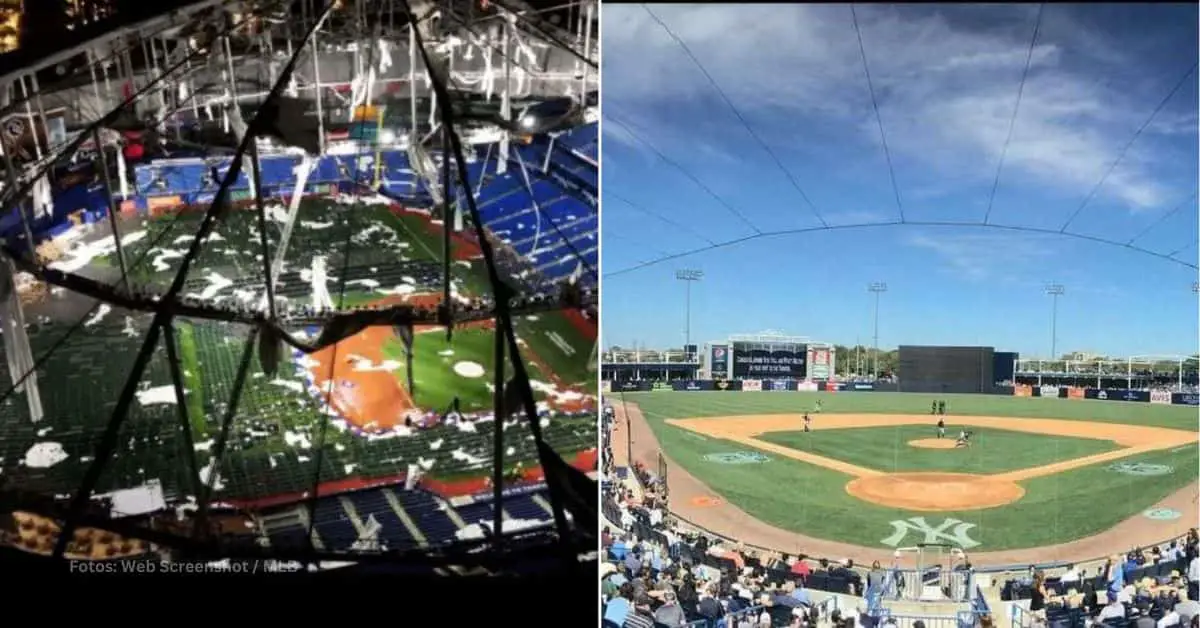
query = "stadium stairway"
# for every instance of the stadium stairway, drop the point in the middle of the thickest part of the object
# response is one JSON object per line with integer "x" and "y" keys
{"x": 285, "y": 528}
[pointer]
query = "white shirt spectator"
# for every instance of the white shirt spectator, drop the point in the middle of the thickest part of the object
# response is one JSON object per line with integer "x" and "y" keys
{"x": 1072, "y": 575}
{"x": 656, "y": 517}
{"x": 1170, "y": 619}
{"x": 1114, "y": 610}
{"x": 1194, "y": 570}
{"x": 626, "y": 519}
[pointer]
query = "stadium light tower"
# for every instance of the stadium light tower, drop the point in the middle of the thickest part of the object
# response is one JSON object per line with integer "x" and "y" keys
{"x": 877, "y": 288}
{"x": 688, "y": 276}
{"x": 1055, "y": 290}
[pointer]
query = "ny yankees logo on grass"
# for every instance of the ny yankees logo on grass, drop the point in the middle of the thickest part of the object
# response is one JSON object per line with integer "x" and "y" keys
{"x": 951, "y": 531}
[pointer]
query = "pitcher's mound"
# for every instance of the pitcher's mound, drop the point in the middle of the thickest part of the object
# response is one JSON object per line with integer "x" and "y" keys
{"x": 932, "y": 443}
{"x": 935, "y": 491}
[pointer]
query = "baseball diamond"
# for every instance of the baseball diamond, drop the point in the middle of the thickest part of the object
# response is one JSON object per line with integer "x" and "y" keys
{"x": 1042, "y": 480}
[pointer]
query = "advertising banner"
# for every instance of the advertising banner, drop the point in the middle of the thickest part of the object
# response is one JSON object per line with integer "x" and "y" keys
{"x": 606, "y": 386}
{"x": 1142, "y": 396}
{"x": 818, "y": 364}
{"x": 1049, "y": 391}
{"x": 1021, "y": 390}
{"x": 754, "y": 385}
{"x": 807, "y": 386}
{"x": 749, "y": 363}
{"x": 1160, "y": 396}
{"x": 1076, "y": 393}
{"x": 692, "y": 385}
{"x": 861, "y": 386}
{"x": 163, "y": 202}
{"x": 779, "y": 384}
{"x": 661, "y": 386}
{"x": 727, "y": 384}
{"x": 1185, "y": 399}
{"x": 719, "y": 363}
{"x": 1116, "y": 394}
{"x": 632, "y": 386}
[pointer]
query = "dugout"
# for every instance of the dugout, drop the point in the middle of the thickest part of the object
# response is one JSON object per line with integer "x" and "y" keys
{"x": 946, "y": 370}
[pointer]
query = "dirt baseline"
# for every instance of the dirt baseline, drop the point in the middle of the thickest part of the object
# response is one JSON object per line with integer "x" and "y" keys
{"x": 932, "y": 443}
{"x": 727, "y": 520}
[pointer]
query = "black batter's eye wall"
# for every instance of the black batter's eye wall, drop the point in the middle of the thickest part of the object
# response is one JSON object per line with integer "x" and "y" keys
{"x": 946, "y": 369}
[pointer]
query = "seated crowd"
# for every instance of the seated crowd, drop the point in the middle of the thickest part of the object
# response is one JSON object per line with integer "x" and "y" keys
{"x": 1144, "y": 588}
{"x": 656, "y": 574}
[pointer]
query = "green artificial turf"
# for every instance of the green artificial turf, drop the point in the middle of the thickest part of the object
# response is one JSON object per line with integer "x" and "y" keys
{"x": 193, "y": 381}
{"x": 557, "y": 342}
{"x": 436, "y": 382}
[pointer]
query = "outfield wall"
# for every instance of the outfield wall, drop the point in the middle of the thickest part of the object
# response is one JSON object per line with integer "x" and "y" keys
{"x": 1159, "y": 397}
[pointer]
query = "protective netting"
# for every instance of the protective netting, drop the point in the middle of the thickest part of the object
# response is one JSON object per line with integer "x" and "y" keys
{"x": 174, "y": 387}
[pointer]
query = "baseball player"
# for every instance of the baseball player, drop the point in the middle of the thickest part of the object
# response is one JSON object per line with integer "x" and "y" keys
{"x": 941, "y": 428}
{"x": 817, "y": 409}
{"x": 807, "y": 423}
{"x": 964, "y": 439}
{"x": 933, "y": 408}
{"x": 942, "y": 407}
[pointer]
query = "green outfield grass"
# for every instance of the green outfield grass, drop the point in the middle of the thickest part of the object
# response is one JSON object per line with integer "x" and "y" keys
{"x": 812, "y": 500}
{"x": 887, "y": 449}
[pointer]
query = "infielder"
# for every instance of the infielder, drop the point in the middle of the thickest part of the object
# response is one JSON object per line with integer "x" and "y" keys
{"x": 941, "y": 428}
{"x": 807, "y": 423}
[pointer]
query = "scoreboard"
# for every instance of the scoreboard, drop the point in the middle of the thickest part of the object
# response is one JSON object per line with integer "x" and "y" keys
{"x": 768, "y": 360}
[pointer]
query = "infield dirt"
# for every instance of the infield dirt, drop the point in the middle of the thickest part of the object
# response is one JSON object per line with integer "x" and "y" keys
{"x": 371, "y": 400}
{"x": 695, "y": 503}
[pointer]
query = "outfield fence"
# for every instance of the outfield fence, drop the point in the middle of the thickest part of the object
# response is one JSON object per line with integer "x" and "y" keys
{"x": 1158, "y": 397}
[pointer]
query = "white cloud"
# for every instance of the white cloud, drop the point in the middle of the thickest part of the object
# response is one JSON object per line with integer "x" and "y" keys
{"x": 979, "y": 256}
{"x": 946, "y": 89}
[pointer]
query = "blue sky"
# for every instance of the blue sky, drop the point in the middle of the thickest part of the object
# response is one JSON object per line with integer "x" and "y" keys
{"x": 946, "y": 81}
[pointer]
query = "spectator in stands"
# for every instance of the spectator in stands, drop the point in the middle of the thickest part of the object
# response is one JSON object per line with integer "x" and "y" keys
{"x": 876, "y": 576}
{"x": 1070, "y": 577}
{"x": 1193, "y": 574}
{"x": 640, "y": 616}
{"x": 708, "y": 607}
{"x": 800, "y": 568}
{"x": 1037, "y": 600}
{"x": 670, "y": 613}
{"x": 617, "y": 609}
{"x": 1114, "y": 609}
{"x": 1187, "y": 608}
